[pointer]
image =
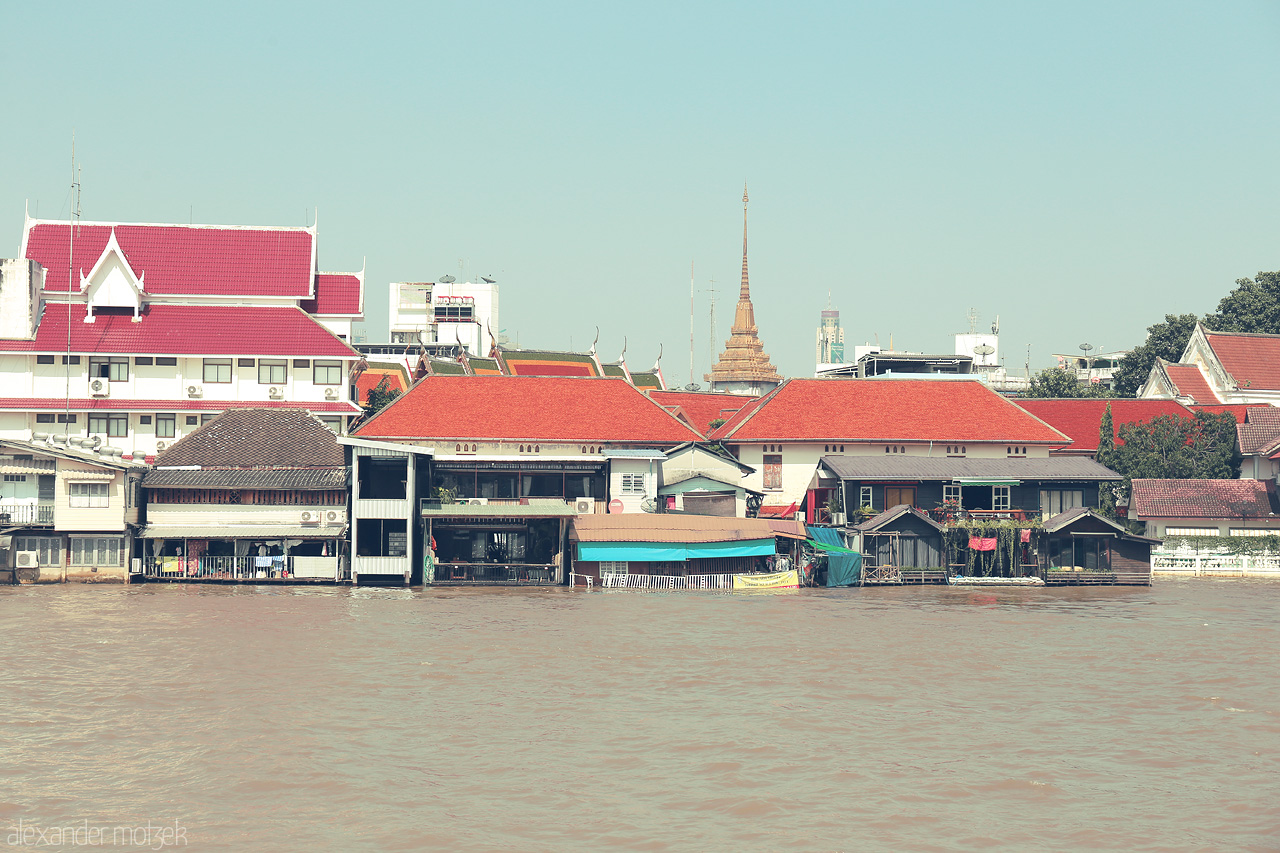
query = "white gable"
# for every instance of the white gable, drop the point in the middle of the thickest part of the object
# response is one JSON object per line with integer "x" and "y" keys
{"x": 112, "y": 283}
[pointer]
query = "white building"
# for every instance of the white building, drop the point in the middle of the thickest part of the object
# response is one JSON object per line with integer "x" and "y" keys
{"x": 444, "y": 312}
{"x": 135, "y": 335}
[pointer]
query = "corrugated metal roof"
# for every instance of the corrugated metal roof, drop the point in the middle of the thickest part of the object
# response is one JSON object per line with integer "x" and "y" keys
{"x": 897, "y": 467}
{"x": 242, "y": 531}
{"x": 535, "y": 508}
{"x": 646, "y": 527}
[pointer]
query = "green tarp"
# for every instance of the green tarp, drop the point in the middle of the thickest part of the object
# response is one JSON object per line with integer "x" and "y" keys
{"x": 661, "y": 552}
{"x": 844, "y": 565}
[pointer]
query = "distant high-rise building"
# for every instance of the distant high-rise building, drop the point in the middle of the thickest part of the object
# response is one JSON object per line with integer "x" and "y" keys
{"x": 744, "y": 367}
{"x": 830, "y": 338}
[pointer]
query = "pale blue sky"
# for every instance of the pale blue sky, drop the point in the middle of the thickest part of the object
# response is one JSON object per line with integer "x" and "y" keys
{"x": 1079, "y": 169}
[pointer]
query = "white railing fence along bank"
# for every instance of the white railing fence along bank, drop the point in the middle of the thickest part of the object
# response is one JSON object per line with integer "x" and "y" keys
{"x": 243, "y": 568}
{"x": 1215, "y": 565}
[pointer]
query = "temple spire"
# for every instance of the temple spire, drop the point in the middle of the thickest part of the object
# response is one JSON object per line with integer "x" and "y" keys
{"x": 744, "y": 292}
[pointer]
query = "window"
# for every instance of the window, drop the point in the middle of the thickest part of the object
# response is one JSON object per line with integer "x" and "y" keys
{"x": 1251, "y": 531}
{"x": 166, "y": 426}
{"x": 382, "y": 537}
{"x": 142, "y": 361}
{"x": 192, "y": 420}
{"x": 773, "y": 471}
{"x": 301, "y": 362}
{"x": 43, "y": 418}
{"x": 206, "y": 417}
{"x": 1054, "y": 501}
{"x": 272, "y": 371}
{"x": 144, "y": 420}
{"x": 614, "y": 568}
{"x": 864, "y": 498}
{"x": 951, "y": 492}
{"x": 332, "y": 423}
{"x": 454, "y": 309}
{"x": 1000, "y": 497}
{"x": 71, "y": 359}
{"x": 1015, "y": 451}
{"x": 245, "y": 362}
{"x": 48, "y": 548}
{"x": 66, "y": 419}
{"x": 96, "y": 551}
{"x": 955, "y": 450}
{"x": 382, "y": 477}
{"x": 897, "y": 495}
{"x": 88, "y": 494}
{"x": 217, "y": 370}
{"x": 113, "y": 369}
{"x": 115, "y": 426}
{"x": 15, "y": 478}
{"x": 328, "y": 373}
{"x": 1191, "y": 531}
{"x": 633, "y": 484}
{"x": 44, "y": 359}
{"x": 166, "y": 361}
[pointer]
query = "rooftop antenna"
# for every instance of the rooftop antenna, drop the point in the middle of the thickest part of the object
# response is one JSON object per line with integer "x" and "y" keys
{"x": 71, "y": 252}
{"x": 690, "y": 326}
{"x": 973, "y": 320}
{"x": 711, "y": 352}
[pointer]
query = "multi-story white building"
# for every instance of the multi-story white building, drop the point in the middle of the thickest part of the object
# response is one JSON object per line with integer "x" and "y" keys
{"x": 444, "y": 312}
{"x": 135, "y": 335}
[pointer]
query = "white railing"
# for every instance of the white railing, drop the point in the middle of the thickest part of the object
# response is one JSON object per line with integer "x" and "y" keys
{"x": 243, "y": 568}
{"x": 1221, "y": 565}
{"x": 619, "y": 581}
{"x": 26, "y": 512}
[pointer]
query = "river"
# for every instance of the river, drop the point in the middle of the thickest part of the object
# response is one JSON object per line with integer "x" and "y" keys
{"x": 282, "y": 718}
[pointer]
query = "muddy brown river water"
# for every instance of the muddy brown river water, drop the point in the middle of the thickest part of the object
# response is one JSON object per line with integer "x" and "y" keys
{"x": 554, "y": 719}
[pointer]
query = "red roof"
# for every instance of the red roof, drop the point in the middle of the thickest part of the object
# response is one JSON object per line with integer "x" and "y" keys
{"x": 1081, "y": 419}
{"x": 201, "y": 260}
{"x": 1260, "y": 431}
{"x": 1252, "y": 360}
{"x": 1239, "y": 410}
{"x": 120, "y": 404}
{"x": 185, "y": 330}
{"x": 701, "y": 407}
{"x": 1188, "y": 381}
{"x": 529, "y": 408}
{"x": 337, "y": 294}
{"x": 888, "y": 410}
{"x": 1200, "y": 499}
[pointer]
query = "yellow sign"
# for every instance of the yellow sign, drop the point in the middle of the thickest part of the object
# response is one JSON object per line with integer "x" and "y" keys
{"x": 774, "y": 580}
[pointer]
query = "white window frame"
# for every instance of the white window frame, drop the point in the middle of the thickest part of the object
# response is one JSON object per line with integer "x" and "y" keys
{"x": 633, "y": 484}
{"x": 1192, "y": 531}
{"x": 169, "y": 418}
{"x": 772, "y": 459}
{"x": 97, "y": 551}
{"x": 275, "y": 371}
{"x": 1000, "y": 498}
{"x": 326, "y": 372}
{"x": 220, "y": 367}
{"x": 1064, "y": 499}
{"x": 952, "y": 492}
{"x": 89, "y": 495}
{"x": 614, "y": 567}
{"x": 866, "y": 497}
{"x": 49, "y": 548}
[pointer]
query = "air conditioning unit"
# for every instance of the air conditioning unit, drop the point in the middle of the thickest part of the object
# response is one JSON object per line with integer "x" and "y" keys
{"x": 195, "y": 391}
{"x": 28, "y": 559}
{"x": 476, "y": 501}
{"x": 310, "y": 517}
{"x": 99, "y": 388}
{"x": 275, "y": 392}
{"x": 584, "y": 506}
{"x": 331, "y": 393}
{"x": 161, "y": 446}
{"x": 335, "y": 516}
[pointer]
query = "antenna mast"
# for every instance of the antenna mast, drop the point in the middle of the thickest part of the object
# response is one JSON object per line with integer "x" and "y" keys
{"x": 690, "y": 325}
{"x": 711, "y": 353}
{"x": 74, "y": 218}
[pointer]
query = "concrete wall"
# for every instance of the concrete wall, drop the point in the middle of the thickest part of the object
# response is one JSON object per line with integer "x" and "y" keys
{"x": 20, "y": 284}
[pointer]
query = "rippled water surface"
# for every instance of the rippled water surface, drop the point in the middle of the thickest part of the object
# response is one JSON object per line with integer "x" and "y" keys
{"x": 554, "y": 719}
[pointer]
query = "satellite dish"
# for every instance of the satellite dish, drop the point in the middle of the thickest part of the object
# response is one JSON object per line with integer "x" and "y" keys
{"x": 649, "y": 505}
{"x": 488, "y": 280}
{"x": 693, "y": 386}
{"x": 447, "y": 279}
{"x": 984, "y": 349}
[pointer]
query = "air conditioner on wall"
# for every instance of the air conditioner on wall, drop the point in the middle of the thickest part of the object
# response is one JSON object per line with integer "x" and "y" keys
{"x": 584, "y": 506}
{"x": 99, "y": 388}
{"x": 476, "y": 501}
{"x": 161, "y": 446}
{"x": 195, "y": 391}
{"x": 28, "y": 559}
{"x": 335, "y": 516}
{"x": 331, "y": 393}
{"x": 275, "y": 392}
{"x": 309, "y": 517}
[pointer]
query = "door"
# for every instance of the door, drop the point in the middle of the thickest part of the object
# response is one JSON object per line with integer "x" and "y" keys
{"x": 895, "y": 495}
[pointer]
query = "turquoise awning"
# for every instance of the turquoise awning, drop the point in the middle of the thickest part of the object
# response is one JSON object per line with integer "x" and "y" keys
{"x": 661, "y": 552}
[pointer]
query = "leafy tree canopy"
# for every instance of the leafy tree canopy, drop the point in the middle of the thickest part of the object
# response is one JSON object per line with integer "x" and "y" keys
{"x": 1055, "y": 382}
{"x": 1169, "y": 447}
{"x": 379, "y": 397}
{"x": 1165, "y": 340}
{"x": 1254, "y": 306}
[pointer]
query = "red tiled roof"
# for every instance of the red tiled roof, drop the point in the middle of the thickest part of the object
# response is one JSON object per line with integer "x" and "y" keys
{"x": 1260, "y": 430}
{"x": 185, "y": 330}
{"x": 1190, "y": 382}
{"x": 184, "y": 259}
{"x": 1081, "y": 419}
{"x": 888, "y": 410}
{"x": 701, "y": 407}
{"x": 337, "y": 294}
{"x": 1200, "y": 499}
{"x": 1252, "y": 360}
{"x": 527, "y": 408}
{"x": 122, "y": 404}
{"x": 1239, "y": 410}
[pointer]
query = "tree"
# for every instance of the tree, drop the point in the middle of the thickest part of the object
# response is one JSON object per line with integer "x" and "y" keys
{"x": 1254, "y": 306}
{"x": 1169, "y": 447}
{"x": 1165, "y": 340}
{"x": 1056, "y": 382}
{"x": 380, "y": 397}
{"x": 1106, "y": 450}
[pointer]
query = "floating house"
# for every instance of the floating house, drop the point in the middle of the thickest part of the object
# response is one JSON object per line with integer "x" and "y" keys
{"x": 1081, "y": 547}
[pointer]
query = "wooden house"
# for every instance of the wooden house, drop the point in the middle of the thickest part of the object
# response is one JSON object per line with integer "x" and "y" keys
{"x": 1081, "y": 547}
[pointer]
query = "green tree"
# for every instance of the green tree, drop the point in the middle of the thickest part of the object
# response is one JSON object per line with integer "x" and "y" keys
{"x": 1164, "y": 340}
{"x": 1106, "y": 450}
{"x": 379, "y": 397}
{"x": 1055, "y": 382}
{"x": 1254, "y": 306}
{"x": 1169, "y": 447}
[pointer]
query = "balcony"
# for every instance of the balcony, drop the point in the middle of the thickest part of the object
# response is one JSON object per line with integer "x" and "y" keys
{"x": 277, "y": 569}
{"x": 26, "y": 512}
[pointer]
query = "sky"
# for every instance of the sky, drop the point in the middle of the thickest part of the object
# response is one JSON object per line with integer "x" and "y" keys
{"x": 1078, "y": 169}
